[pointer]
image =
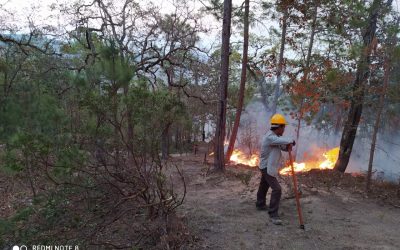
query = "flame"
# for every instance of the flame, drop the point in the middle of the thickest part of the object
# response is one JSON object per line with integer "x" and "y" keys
{"x": 239, "y": 157}
{"x": 298, "y": 167}
{"x": 331, "y": 157}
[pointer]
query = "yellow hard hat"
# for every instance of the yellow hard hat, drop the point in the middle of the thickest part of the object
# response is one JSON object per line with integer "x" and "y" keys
{"x": 278, "y": 119}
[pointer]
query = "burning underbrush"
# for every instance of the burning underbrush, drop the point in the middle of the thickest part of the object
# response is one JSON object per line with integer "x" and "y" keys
{"x": 320, "y": 159}
{"x": 329, "y": 181}
{"x": 315, "y": 172}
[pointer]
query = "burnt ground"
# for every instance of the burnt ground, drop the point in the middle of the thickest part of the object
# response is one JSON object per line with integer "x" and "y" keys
{"x": 219, "y": 210}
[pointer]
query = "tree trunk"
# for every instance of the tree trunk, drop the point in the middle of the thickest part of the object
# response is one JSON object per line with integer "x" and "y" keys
{"x": 376, "y": 125}
{"x": 305, "y": 77}
{"x": 338, "y": 120}
{"x": 228, "y": 129}
{"x": 203, "y": 132}
{"x": 165, "y": 142}
{"x": 177, "y": 142}
{"x": 280, "y": 62}
{"x": 356, "y": 105}
{"x": 382, "y": 97}
{"x": 129, "y": 115}
{"x": 242, "y": 82}
{"x": 219, "y": 163}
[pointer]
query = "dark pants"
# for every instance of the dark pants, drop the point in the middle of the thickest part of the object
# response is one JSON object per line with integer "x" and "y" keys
{"x": 266, "y": 182}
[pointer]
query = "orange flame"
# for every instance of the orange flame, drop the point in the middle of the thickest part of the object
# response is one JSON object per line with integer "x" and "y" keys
{"x": 331, "y": 157}
{"x": 239, "y": 157}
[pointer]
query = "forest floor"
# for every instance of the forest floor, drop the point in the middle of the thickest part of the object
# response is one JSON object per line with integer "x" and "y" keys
{"x": 220, "y": 212}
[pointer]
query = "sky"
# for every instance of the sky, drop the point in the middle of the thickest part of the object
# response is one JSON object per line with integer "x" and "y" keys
{"x": 40, "y": 8}
{"x": 21, "y": 12}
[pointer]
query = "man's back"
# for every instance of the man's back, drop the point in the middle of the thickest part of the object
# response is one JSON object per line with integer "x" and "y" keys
{"x": 270, "y": 153}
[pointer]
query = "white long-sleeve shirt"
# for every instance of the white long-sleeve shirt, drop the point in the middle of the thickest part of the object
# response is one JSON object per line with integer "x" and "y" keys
{"x": 271, "y": 156}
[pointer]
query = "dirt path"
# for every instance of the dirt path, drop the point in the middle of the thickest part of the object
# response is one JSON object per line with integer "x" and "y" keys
{"x": 220, "y": 210}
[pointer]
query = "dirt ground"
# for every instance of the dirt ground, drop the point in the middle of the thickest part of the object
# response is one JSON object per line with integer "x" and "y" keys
{"x": 220, "y": 212}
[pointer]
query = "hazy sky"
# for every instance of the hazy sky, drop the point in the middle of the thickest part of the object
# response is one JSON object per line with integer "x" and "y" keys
{"x": 20, "y": 12}
{"x": 41, "y": 7}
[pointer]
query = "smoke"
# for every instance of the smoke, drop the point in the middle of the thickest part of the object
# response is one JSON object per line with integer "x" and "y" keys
{"x": 386, "y": 158}
{"x": 313, "y": 141}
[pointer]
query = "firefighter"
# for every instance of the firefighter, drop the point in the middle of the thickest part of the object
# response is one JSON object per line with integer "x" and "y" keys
{"x": 270, "y": 162}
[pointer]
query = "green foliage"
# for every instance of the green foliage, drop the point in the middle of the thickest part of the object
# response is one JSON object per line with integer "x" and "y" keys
{"x": 331, "y": 75}
{"x": 33, "y": 110}
{"x": 59, "y": 130}
{"x": 355, "y": 51}
{"x": 113, "y": 67}
{"x": 15, "y": 226}
{"x": 396, "y": 53}
{"x": 153, "y": 112}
